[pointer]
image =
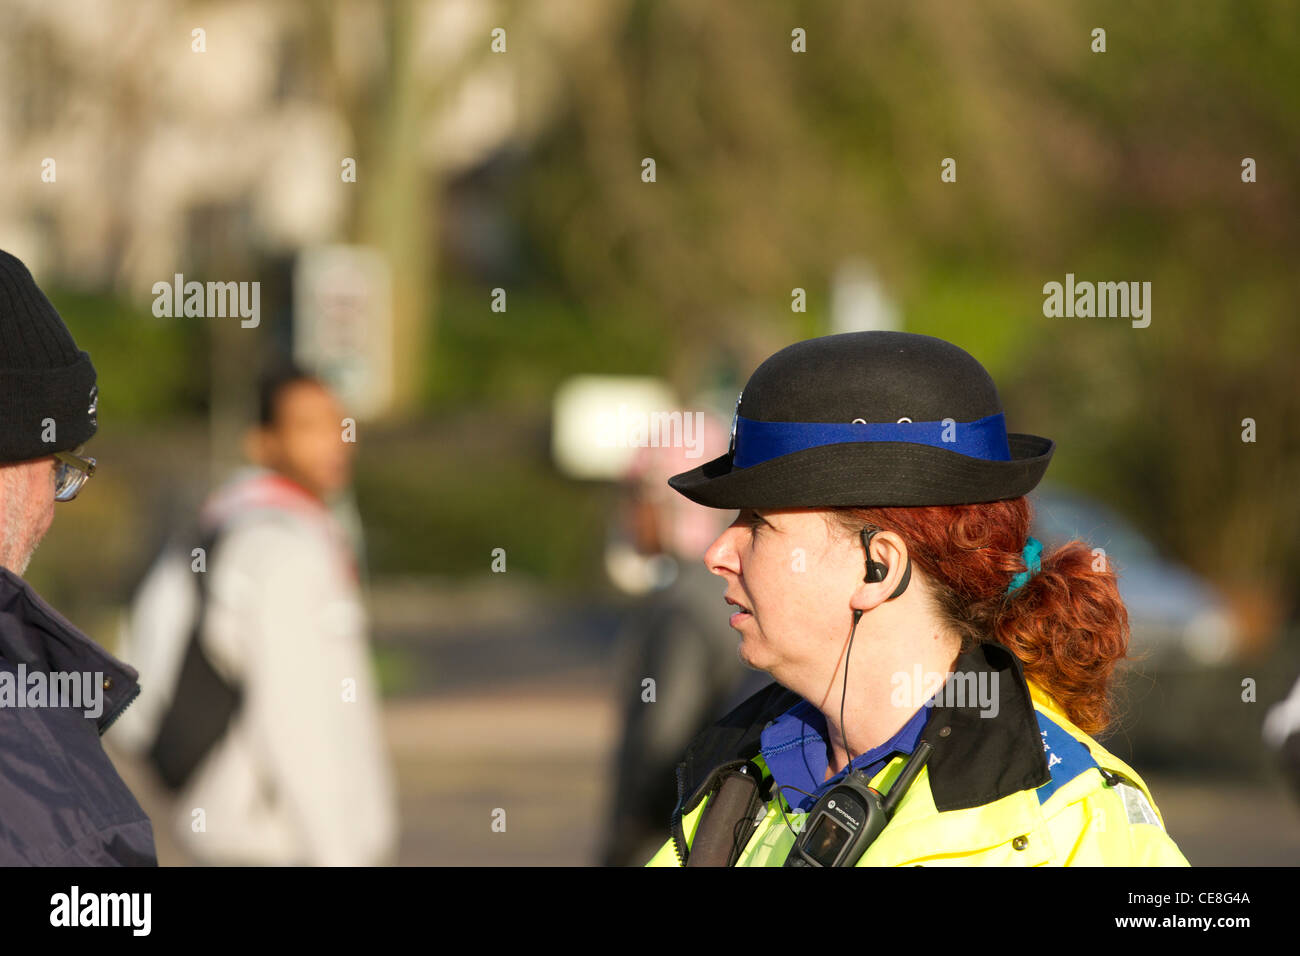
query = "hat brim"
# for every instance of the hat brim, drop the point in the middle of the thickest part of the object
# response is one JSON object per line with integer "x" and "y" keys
{"x": 868, "y": 474}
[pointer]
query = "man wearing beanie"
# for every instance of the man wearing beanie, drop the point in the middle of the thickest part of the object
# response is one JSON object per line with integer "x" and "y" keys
{"x": 61, "y": 801}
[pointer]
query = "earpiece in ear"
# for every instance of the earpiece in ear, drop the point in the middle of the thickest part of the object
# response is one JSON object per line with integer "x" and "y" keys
{"x": 907, "y": 579}
{"x": 876, "y": 571}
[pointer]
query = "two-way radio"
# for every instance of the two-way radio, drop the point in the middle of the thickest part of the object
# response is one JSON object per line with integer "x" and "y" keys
{"x": 848, "y": 818}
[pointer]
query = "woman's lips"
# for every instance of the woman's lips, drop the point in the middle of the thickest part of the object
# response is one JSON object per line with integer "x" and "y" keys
{"x": 741, "y": 615}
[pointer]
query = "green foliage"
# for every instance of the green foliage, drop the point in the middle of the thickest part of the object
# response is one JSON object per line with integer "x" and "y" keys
{"x": 438, "y": 501}
{"x": 516, "y": 359}
{"x": 148, "y": 368}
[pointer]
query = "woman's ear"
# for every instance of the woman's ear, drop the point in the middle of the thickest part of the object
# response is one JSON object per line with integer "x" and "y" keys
{"x": 889, "y": 551}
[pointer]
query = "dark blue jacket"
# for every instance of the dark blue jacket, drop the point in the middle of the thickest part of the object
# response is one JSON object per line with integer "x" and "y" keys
{"x": 62, "y": 802}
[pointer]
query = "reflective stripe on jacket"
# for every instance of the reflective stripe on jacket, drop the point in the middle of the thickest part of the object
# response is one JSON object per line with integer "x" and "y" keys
{"x": 1022, "y": 788}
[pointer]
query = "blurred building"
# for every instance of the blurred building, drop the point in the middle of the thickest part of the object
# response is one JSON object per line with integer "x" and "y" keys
{"x": 173, "y": 136}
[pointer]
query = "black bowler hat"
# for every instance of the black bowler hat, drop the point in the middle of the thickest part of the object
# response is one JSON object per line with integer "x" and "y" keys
{"x": 868, "y": 419}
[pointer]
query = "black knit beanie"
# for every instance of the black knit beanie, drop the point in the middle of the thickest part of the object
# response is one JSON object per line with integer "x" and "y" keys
{"x": 48, "y": 394}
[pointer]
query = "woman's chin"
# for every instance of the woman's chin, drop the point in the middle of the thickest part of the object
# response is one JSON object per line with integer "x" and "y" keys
{"x": 749, "y": 656}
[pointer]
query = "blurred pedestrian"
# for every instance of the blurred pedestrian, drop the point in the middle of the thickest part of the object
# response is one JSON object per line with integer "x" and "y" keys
{"x": 62, "y": 802}
{"x": 295, "y": 771}
{"x": 1281, "y": 733}
{"x": 674, "y": 637}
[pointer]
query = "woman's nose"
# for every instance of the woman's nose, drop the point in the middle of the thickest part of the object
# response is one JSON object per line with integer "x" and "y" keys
{"x": 722, "y": 555}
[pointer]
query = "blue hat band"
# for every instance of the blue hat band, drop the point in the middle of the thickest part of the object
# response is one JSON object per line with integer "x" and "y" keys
{"x": 757, "y": 442}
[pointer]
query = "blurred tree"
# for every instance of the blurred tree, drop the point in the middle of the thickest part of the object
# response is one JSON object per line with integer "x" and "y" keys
{"x": 366, "y": 59}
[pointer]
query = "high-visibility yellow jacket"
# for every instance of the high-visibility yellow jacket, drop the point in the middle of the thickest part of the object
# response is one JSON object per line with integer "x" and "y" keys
{"x": 1023, "y": 788}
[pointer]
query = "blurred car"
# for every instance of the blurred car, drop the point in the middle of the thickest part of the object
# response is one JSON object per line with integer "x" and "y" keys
{"x": 1177, "y": 618}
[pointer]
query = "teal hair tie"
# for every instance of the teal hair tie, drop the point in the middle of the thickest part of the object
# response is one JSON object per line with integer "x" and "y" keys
{"x": 1032, "y": 552}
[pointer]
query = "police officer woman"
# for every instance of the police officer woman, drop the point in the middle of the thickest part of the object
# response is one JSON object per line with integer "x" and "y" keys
{"x": 937, "y": 676}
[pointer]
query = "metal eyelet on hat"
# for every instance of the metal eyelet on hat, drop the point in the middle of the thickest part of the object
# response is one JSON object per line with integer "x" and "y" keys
{"x": 735, "y": 418}
{"x": 1020, "y": 842}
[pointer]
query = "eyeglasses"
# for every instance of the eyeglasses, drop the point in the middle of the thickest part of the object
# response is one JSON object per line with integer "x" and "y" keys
{"x": 70, "y": 473}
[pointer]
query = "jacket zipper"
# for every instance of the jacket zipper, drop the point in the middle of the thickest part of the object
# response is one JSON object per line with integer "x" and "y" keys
{"x": 118, "y": 713}
{"x": 675, "y": 826}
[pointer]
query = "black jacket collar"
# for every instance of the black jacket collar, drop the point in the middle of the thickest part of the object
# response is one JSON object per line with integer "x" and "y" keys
{"x": 33, "y": 633}
{"x": 978, "y": 760}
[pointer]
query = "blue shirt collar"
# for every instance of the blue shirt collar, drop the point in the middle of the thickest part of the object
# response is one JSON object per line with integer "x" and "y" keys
{"x": 794, "y": 747}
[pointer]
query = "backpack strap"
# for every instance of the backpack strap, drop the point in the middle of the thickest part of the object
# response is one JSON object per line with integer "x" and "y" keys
{"x": 203, "y": 702}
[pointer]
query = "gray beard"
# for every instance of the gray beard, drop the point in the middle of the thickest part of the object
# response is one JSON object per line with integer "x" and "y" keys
{"x": 16, "y": 546}
{"x": 19, "y": 566}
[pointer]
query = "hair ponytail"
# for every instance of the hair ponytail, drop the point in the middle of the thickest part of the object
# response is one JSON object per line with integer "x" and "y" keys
{"x": 1066, "y": 624}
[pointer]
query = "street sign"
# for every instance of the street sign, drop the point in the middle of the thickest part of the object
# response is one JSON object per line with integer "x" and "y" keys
{"x": 343, "y": 324}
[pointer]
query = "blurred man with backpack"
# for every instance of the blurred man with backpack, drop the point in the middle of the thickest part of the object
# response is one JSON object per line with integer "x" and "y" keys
{"x": 267, "y": 729}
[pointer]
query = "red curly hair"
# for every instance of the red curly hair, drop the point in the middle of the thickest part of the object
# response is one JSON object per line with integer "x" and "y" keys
{"x": 1067, "y": 625}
